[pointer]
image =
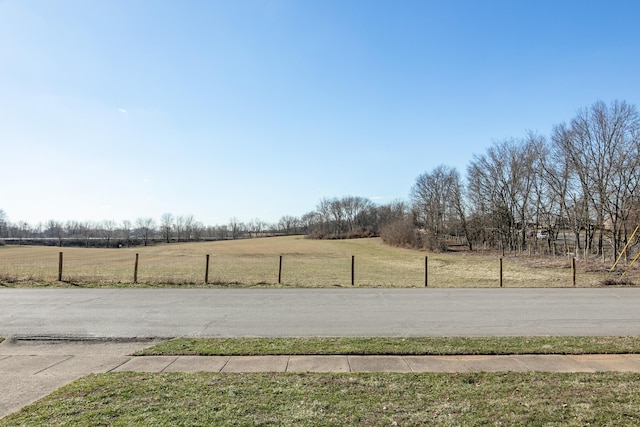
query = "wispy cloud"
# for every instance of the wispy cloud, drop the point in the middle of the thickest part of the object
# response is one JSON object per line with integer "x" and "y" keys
{"x": 122, "y": 110}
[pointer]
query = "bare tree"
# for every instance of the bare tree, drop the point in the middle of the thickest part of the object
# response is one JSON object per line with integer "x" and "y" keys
{"x": 222, "y": 232}
{"x": 337, "y": 216}
{"x": 197, "y": 230}
{"x": 236, "y": 227}
{"x": 390, "y": 213}
{"x": 166, "y": 223}
{"x": 126, "y": 231}
{"x": 354, "y": 207}
{"x": 603, "y": 145}
{"x": 146, "y": 229}
{"x": 23, "y": 230}
{"x": 189, "y": 220}
{"x": 179, "y": 226}
{"x": 73, "y": 229}
{"x": 107, "y": 230}
{"x": 3, "y": 224}
{"x": 311, "y": 221}
{"x": 431, "y": 195}
{"x": 500, "y": 186}
{"x": 323, "y": 210}
{"x": 87, "y": 230}
{"x": 566, "y": 205}
{"x": 55, "y": 229}
{"x": 459, "y": 207}
{"x": 259, "y": 226}
{"x": 288, "y": 224}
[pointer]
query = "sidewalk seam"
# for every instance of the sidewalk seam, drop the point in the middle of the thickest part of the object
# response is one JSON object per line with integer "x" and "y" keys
{"x": 55, "y": 364}
{"x": 408, "y": 364}
{"x": 225, "y": 364}
{"x": 172, "y": 362}
{"x": 123, "y": 363}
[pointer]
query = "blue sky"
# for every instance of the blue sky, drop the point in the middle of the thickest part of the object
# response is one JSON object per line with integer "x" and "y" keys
{"x": 121, "y": 109}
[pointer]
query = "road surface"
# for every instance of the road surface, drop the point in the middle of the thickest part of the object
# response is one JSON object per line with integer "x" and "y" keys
{"x": 128, "y": 313}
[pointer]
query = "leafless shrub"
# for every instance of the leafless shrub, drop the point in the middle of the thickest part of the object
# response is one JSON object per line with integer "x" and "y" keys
{"x": 402, "y": 233}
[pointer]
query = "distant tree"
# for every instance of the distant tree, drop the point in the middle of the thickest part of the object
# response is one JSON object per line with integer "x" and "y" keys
{"x": 3, "y": 224}
{"x": 288, "y": 224}
{"x": 146, "y": 229}
{"x": 87, "y": 230}
{"x": 197, "y": 230}
{"x": 23, "y": 229}
{"x": 387, "y": 214}
{"x": 603, "y": 145}
{"x": 310, "y": 222}
{"x": 107, "y": 230}
{"x": 222, "y": 232}
{"x": 432, "y": 198}
{"x": 210, "y": 232}
{"x": 179, "y": 226}
{"x": 166, "y": 223}
{"x": 459, "y": 206}
{"x": 55, "y": 229}
{"x": 354, "y": 208}
{"x": 126, "y": 230}
{"x": 324, "y": 210}
{"x": 336, "y": 210}
{"x": 257, "y": 227}
{"x": 500, "y": 187}
{"x": 189, "y": 220}
{"x": 236, "y": 227}
{"x": 562, "y": 205}
{"x": 73, "y": 228}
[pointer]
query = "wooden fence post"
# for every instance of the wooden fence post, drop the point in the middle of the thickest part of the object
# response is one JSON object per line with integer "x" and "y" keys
{"x": 206, "y": 271}
{"x": 60, "y": 267}
{"x": 573, "y": 272}
{"x": 135, "y": 270}
{"x": 426, "y": 271}
{"x": 280, "y": 271}
{"x": 353, "y": 275}
{"x": 500, "y": 272}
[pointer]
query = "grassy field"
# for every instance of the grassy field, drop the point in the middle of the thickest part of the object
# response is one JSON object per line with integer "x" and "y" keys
{"x": 306, "y": 263}
{"x": 311, "y": 399}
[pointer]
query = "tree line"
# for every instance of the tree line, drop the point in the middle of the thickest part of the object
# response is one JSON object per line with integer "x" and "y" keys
{"x": 582, "y": 179}
{"x": 143, "y": 231}
{"x": 334, "y": 218}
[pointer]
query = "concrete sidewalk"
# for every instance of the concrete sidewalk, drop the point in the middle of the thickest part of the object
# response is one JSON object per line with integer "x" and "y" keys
{"x": 521, "y": 363}
{"x": 31, "y": 370}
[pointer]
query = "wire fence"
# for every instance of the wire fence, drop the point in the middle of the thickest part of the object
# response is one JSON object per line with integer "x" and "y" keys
{"x": 108, "y": 267}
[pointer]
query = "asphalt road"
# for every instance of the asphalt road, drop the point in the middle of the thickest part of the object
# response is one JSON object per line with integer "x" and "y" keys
{"x": 128, "y": 313}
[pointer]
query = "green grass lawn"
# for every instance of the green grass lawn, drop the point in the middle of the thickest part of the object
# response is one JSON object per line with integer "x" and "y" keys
{"x": 395, "y": 346}
{"x": 310, "y": 399}
{"x": 354, "y": 399}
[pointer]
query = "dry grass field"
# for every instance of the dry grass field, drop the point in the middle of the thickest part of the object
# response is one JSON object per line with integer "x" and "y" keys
{"x": 306, "y": 263}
